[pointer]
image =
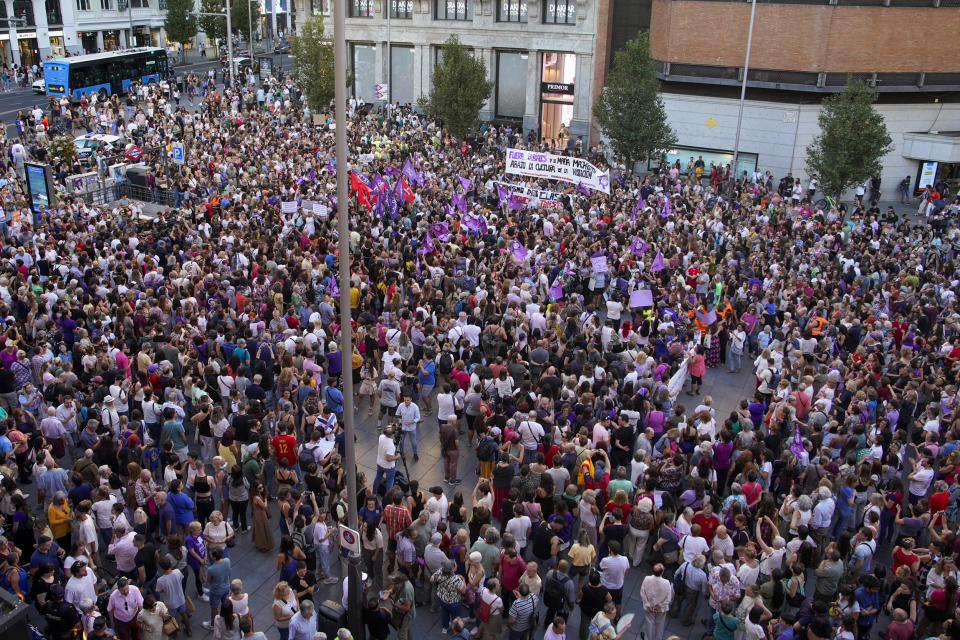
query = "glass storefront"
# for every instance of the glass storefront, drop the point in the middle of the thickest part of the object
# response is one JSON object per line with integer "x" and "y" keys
{"x": 57, "y": 50}
{"x": 111, "y": 40}
{"x": 29, "y": 55}
{"x": 364, "y": 71}
{"x": 511, "y": 84}
{"x": 557, "y": 82}
{"x": 88, "y": 40}
{"x": 401, "y": 75}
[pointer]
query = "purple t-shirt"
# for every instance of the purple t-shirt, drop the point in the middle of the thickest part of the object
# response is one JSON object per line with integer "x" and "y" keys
{"x": 196, "y": 545}
{"x": 721, "y": 455}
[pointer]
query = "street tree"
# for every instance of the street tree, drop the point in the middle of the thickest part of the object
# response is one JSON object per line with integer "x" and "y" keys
{"x": 852, "y": 142}
{"x": 630, "y": 110}
{"x": 241, "y": 17}
{"x": 313, "y": 60}
{"x": 214, "y": 26}
{"x": 460, "y": 87}
{"x": 180, "y": 23}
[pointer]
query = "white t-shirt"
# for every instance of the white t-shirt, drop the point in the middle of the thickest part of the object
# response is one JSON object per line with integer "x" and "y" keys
{"x": 692, "y": 546}
{"x": 386, "y": 447}
{"x": 921, "y": 482}
{"x": 612, "y": 571}
{"x": 519, "y": 526}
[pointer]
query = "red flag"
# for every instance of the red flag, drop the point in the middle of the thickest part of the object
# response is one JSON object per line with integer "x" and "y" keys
{"x": 407, "y": 191}
{"x": 363, "y": 191}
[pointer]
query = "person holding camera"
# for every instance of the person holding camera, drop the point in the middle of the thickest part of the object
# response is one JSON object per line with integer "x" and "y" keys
{"x": 386, "y": 459}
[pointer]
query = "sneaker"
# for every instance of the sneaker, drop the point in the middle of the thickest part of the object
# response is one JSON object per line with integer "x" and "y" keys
{"x": 457, "y": 481}
{"x": 205, "y": 597}
{"x": 416, "y": 457}
{"x": 443, "y": 631}
{"x": 206, "y": 625}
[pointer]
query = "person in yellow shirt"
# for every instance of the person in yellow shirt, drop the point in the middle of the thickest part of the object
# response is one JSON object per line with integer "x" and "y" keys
{"x": 354, "y": 301}
{"x": 58, "y": 517}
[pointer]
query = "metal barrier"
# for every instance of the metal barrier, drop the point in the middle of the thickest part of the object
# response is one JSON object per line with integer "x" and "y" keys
{"x": 146, "y": 194}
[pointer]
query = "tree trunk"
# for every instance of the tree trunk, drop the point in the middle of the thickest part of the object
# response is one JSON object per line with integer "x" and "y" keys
{"x": 183, "y": 53}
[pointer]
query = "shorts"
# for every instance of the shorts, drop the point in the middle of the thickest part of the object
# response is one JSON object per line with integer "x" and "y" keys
{"x": 582, "y": 570}
{"x": 696, "y": 379}
{"x": 176, "y": 611}
{"x": 615, "y": 594}
{"x": 387, "y": 410}
{"x": 426, "y": 390}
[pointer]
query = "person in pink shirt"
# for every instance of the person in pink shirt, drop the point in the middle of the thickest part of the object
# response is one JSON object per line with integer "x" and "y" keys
{"x": 697, "y": 366}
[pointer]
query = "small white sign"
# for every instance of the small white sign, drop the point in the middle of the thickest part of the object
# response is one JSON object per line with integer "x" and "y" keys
{"x": 288, "y": 206}
{"x": 366, "y": 158}
{"x": 320, "y": 210}
{"x": 349, "y": 539}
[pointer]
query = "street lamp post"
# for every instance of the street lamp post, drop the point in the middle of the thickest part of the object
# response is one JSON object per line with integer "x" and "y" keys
{"x": 743, "y": 95}
{"x": 250, "y": 28}
{"x": 229, "y": 37}
{"x": 354, "y": 591}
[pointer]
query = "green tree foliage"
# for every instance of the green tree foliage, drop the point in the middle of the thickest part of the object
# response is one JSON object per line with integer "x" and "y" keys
{"x": 240, "y": 18}
{"x": 180, "y": 23}
{"x": 63, "y": 149}
{"x": 214, "y": 26}
{"x": 460, "y": 87}
{"x": 630, "y": 111}
{"x": 313, "y": 58}
{"x": 853, "y": 140}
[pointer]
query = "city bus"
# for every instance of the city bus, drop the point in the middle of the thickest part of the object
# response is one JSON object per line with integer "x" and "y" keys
{"x": 104, "y": 73}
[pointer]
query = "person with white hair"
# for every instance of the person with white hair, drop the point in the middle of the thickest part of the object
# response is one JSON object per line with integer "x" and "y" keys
{"x": 771, "y": 557}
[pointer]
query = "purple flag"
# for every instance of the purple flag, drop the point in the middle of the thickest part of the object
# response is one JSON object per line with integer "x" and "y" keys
{"x": 796, "y": 447}
{"x": 464, "y": 182}
{"x": 448, "y": 210}
{"x": 567, "y": 271}
{"x": 459, "y": 202}
{"x": 391, "y": 202}
{"x": 312, "y": 175}
{"x": 427, "y": 245}
{"x": 665, "y": 210}
{"x": 418, "y": 267}
{"x": 334, "y": 289}
{"x": 633, "y": 213}
{"x": 378, "y": 206}
{"x": 517, "y": 250}
{"x": 411, "y": 173}
{"x": 377, "y": 183}
{"x": 475, "y": 223}
{"x": 513, "y": 203}
{"x": 657, "y": 263}
{"x": 331, "y": 166}
{"x": 441, "y": 230}
{"x": 556, "y": 289}
{"x": 333, "y": 202}
{"x": 638, "y": 246}
{"x": 582, "y": 189}
{"x": 502, "y": 193}
{"x": 392, "y": 171}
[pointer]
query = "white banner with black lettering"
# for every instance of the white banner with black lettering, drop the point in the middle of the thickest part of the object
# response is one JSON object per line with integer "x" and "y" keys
{"x": 565, "y": 168}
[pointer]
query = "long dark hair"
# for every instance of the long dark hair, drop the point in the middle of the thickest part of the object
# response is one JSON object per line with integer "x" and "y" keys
{"x": 226, "y": 613}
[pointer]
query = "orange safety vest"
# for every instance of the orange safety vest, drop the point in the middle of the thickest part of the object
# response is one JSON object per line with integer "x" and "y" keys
{"x": 818, "y": 324}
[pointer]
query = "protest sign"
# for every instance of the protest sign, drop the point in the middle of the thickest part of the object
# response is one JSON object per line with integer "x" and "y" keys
{"x": 532, "y": 196}
{"x": 288, "y": 206}
{"x": 641, "y": 298}
{"x": 564, "y": 168}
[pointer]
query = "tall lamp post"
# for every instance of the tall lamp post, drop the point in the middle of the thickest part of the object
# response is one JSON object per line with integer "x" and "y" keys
{"x": 229, "y": 37}
{"x": 354, "y": 590}
{"x": 743, "y": 95}
{"x": 250, "y": 27}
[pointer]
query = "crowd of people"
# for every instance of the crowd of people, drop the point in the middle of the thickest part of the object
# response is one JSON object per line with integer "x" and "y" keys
{"x": 172, "y": 384}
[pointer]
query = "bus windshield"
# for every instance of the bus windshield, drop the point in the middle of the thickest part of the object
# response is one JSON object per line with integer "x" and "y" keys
{"x": 105, "y": 73}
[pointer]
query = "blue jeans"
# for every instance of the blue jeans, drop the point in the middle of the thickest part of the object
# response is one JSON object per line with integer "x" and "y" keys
{"x": 323, "y": 562}
{"x": 284, "y": 633}
{"x": 843, "y": 521}
{"x": 413, "y": 439}
{"x": 733, "y": 360}
{"x": 389, "y": 474}
{"x": 448, "y": 612}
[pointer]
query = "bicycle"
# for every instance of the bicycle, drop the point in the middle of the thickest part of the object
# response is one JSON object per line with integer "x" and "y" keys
{"x": 826, "y": 203}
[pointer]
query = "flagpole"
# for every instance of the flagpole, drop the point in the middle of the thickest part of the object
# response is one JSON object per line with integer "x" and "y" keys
{"x": 354, "y": 587}
{"x": 389, "y": 54}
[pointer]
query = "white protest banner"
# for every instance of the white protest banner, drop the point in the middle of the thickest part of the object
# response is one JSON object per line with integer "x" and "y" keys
{"x": 565, "y": 168}
{"x": 534, "y": 197}
{"x": 366, "y": 158}
{"x": 320, "y": 210}
{"x": 288, "y": 206}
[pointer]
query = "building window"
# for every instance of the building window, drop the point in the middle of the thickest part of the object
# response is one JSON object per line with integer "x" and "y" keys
{"x": 401, "y": 9}
{"x": 106, "y": 5}
{"x": 23, "y": 9}
{"x": 512, "y": 11}
{"x": 560, "y": 11}
{"x": 401, "y": 75}
{"x": 364, "y": 71}
{"x": 361, "y": 8}
{"x": 140, "y": 4}
{"x": 83, "y": 5}
{"x": 53, "y": 12}
{"x": 320, "y": 7}
{"x": 511, "y": 84}
{"x": 453, "y": 9}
